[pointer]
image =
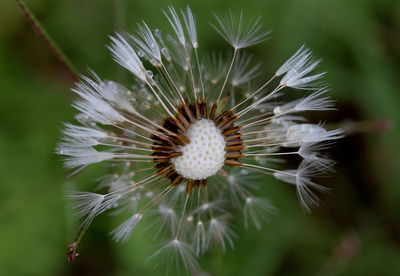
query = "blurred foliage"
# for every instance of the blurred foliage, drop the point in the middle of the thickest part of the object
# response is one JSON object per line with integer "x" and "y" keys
{"x": 355, "y": 232}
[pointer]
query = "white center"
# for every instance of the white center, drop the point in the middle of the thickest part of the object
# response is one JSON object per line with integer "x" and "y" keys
{"x": 204, "y": 156}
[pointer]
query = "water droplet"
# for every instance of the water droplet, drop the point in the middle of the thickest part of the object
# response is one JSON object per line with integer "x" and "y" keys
{"x": 166, "y": 53}
{"x": 149, "y": 73}
{"x": 157, "y": 32}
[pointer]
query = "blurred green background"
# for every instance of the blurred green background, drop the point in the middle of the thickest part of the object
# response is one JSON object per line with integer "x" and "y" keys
{"x": 356, "y": 231}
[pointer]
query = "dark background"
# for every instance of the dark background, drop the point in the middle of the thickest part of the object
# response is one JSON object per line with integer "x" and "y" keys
{"x": 356, "y": 231}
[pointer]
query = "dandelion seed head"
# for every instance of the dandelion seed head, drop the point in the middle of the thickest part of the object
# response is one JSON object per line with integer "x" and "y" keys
{"x": 189, "y": 136}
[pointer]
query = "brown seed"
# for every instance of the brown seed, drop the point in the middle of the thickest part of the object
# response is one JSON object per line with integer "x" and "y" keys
{"x": 170, "y": 124}
{"x": 166, "y": 158}
{"x": 198, "y": 112}
{"x": 231, "y": 130}
{"x": 180, "y": 125}
{"x": 160, "y": 139}
{"x": 222, "y": 116}
{"x": 189, "y": 186}
{"x": 162, "y": 148}
{"x": 165, "y": 170}
{"x": 234, "y": 148}
{"x": 213, "y": 111}
{"x": 189, "y": 113}
{"x": 161, "y": 153}
{"x": 235, "y": 155}
{"x": 233, "y": 163}
{"x": 227, "y": 122}
{"x": 233, "y": 137}
{"x": 203, "y": 108}
{"x": 183, "y": 140}
{"x": 175, "y": 154}
{"x": 171, "y": 174}
{"x": 177, "y": 180}
{"x": 204, "y": 182}
{"x": 183, "y": 119}
{"x": 234, "y": 142}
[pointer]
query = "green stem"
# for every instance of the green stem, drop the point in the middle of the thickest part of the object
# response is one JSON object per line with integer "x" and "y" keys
{"x": 39, "y": 29}
{"x": 119, "y": 25}
{"x": 355, "y": 127}
{"x": 73, "y": 247}
{"x": 119, "y": 15}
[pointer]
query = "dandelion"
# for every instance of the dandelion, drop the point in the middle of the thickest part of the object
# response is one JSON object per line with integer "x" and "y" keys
{"x": 189, "y": 140}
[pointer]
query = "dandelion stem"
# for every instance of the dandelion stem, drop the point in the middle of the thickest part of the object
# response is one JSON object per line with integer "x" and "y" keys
{"x": 72, "y": 248}
{"x": 44, "y": 35}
